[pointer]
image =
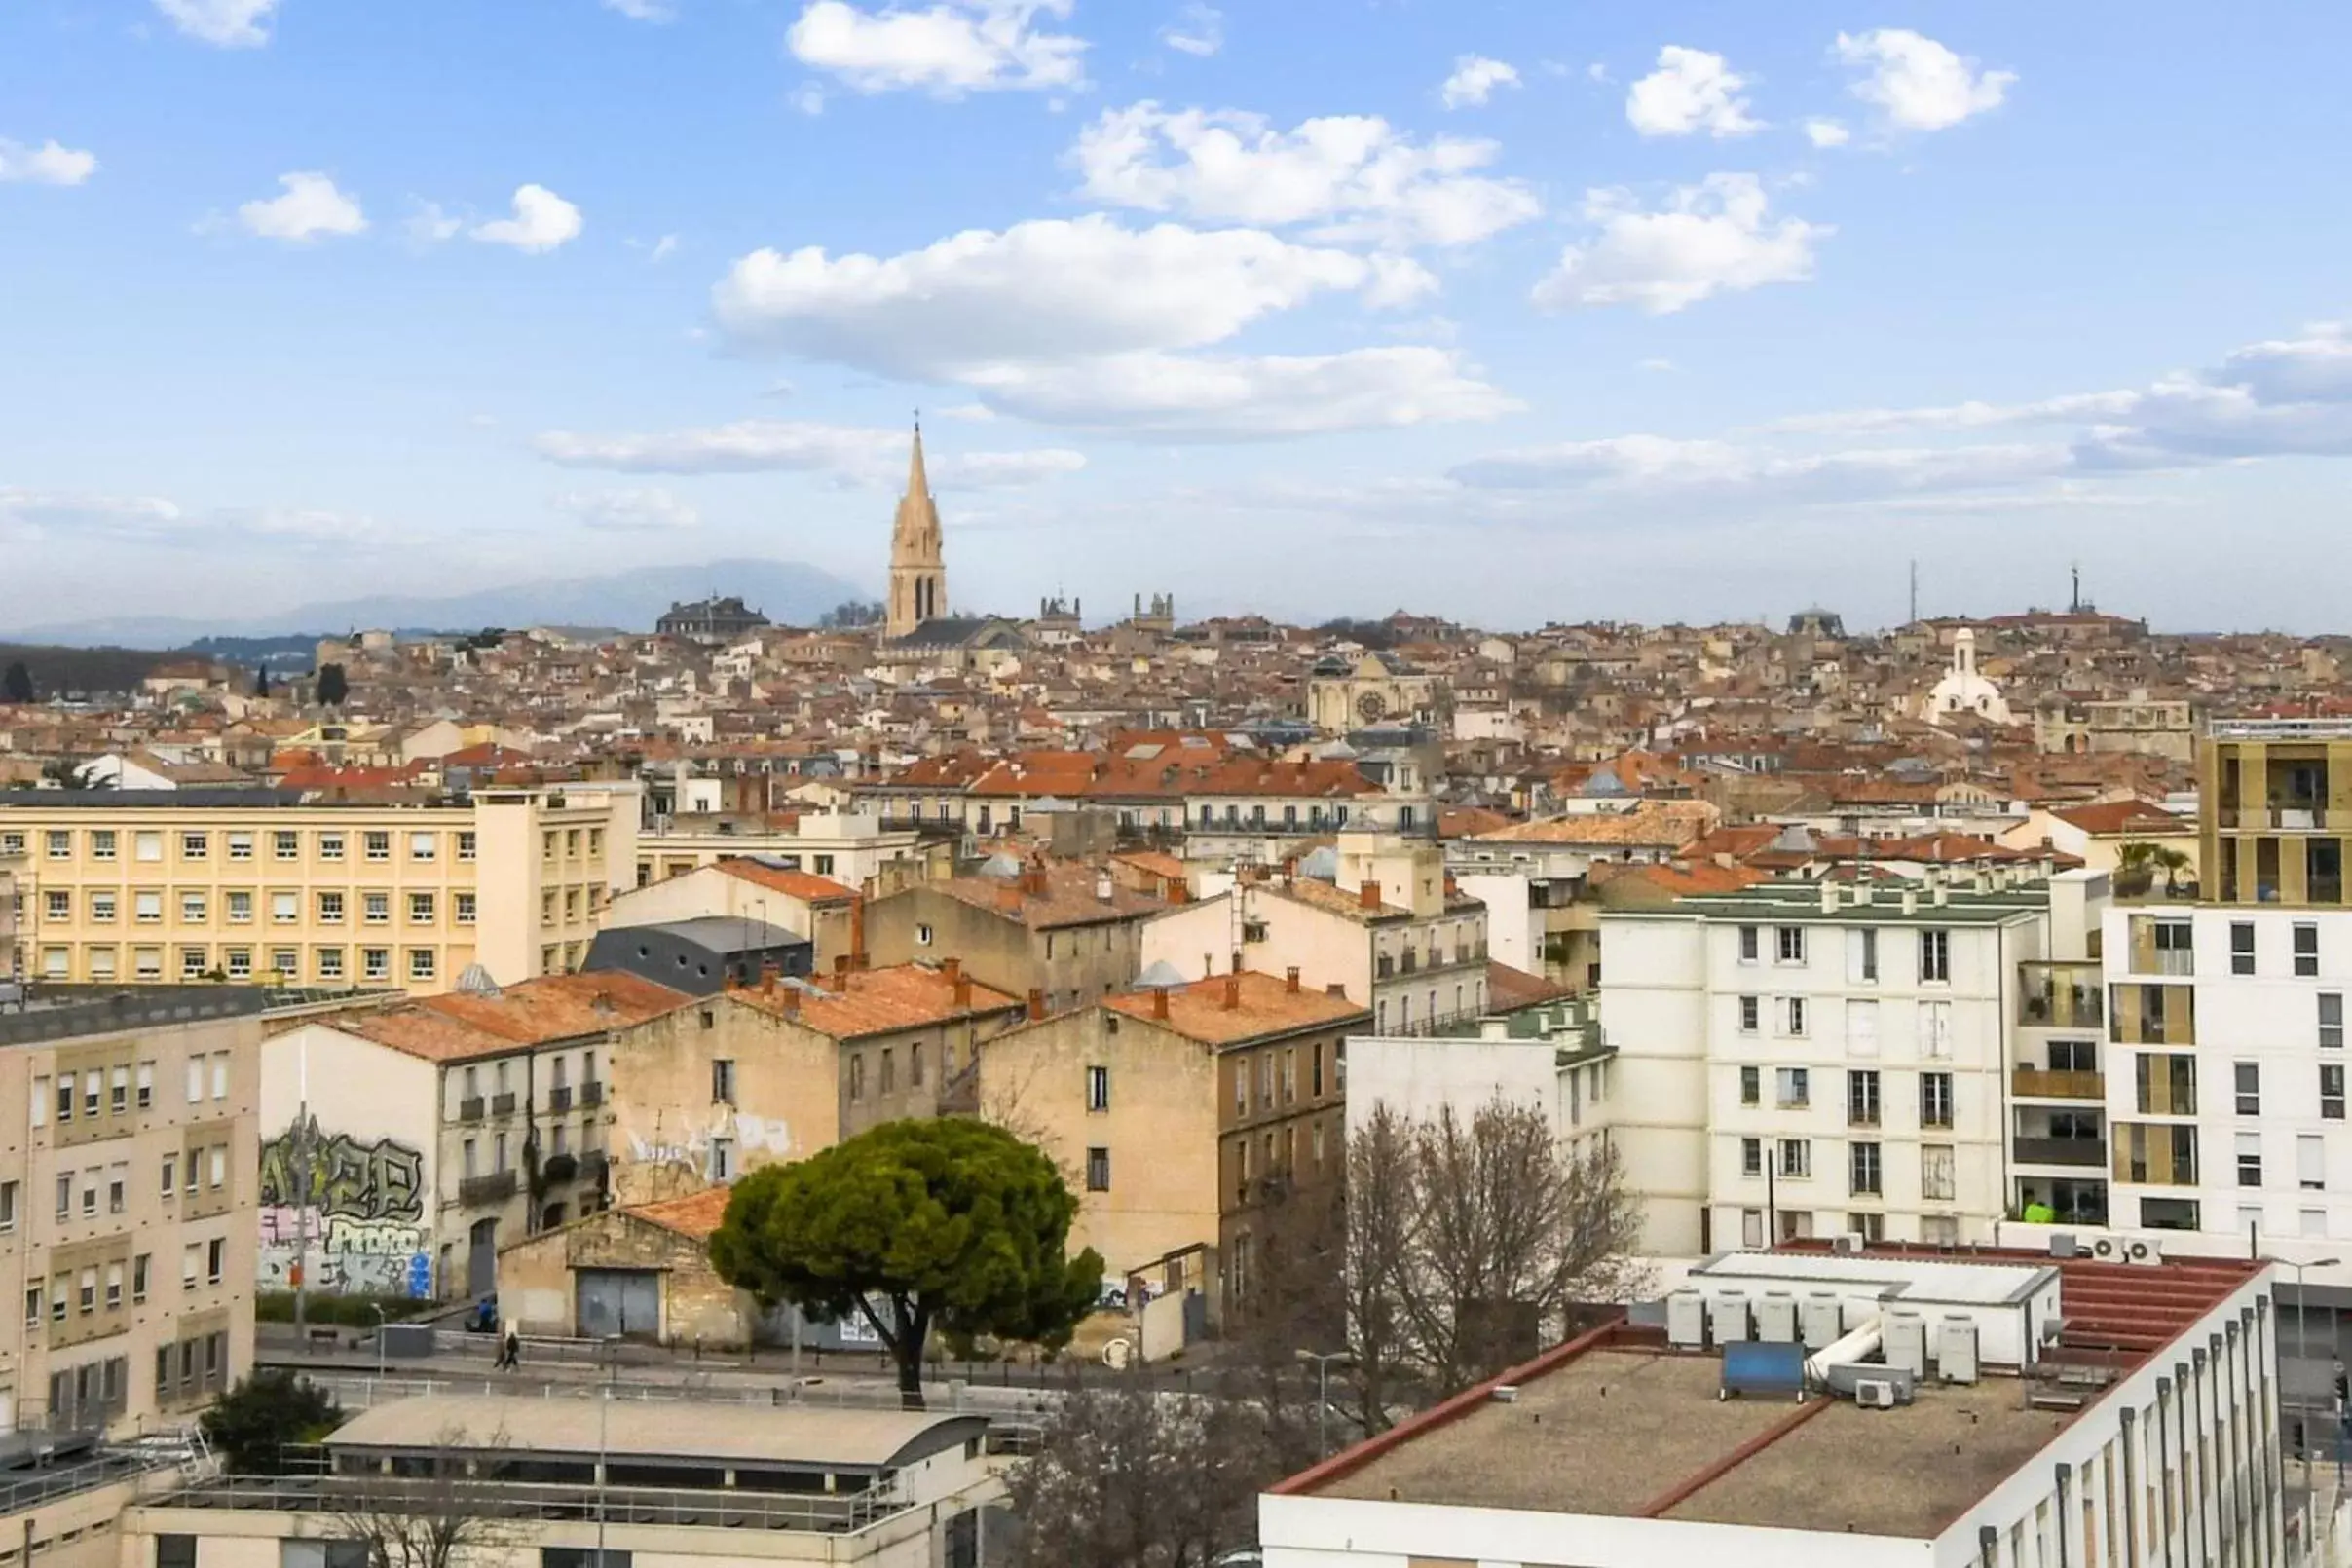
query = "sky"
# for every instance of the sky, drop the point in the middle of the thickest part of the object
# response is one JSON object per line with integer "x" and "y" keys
{"x": 1524, "y": 312}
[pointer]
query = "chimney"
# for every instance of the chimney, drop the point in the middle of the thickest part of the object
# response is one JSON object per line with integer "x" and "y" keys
{"x": 767, "y": 977}
{"x": 1032, "y": 882}
{"x": 1103, "y": 886}
{"x": 1233, "y": 991}
{"x": 857, "y": 932}
{"x": 1290, "y": 979}
{"x": 1368, "y": 896}
{"x": 1943, "y": 893}
{"x": 1829, "y": 895}
{"x": 1336, "y": 990}
{"x": 1910, "y": 900}
{"x": 1037, "y": 1004}
{"x": 1159, "y": 1001}
{"x": 792, "y": 1001}
{"x": 1008, "y": 897}
{"x": 962, "y": 993}
{"x": 952, "y": 968}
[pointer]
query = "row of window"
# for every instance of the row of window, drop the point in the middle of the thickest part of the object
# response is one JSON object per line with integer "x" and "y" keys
{"x": 565, "y": 843}
{"x": 1277, "y": 1152}
{"x": 1865, "y": 1166}
{"x": 1276, "y": 1070}
{"x": 573, "y": 901}
{"x": 1792, "y": 1089}
{"x": 199, "y": 962}
{"x": 103, "y": 906}
{"x": 203, "y": 1168}
{"x": 1790, "y": 947}
{"x": 1800, "y": 1224}
{"x": 1793, "y": 1016}
{"x": 148, "y": 845}
{"x": 94, "y": 1290}
{"x": 116, "y": 1090}
{"x": 501, "y": 1149}
{"x": 1468, "y": 1002}
{"x": 2242, "y": 953}
{"x": 559, "y": 1077}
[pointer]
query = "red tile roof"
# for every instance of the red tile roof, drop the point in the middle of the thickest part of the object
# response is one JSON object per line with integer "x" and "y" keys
{"x": 1230, "y": 1009}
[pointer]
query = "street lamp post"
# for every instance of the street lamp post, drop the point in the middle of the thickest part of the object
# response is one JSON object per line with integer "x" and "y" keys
{"x": 377, "y": 1308}
{"x": 2302, "y": 1348}
{"x": 1324, "y": 1360}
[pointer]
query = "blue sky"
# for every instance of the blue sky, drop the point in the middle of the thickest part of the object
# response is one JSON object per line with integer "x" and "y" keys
{"x": 1516, "y": 311}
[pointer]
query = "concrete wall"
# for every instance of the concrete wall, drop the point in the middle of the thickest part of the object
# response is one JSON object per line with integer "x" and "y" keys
{"x": 374, "y": 1145}
{"x": 536, "y": 1280}
{"x": 1654, "y": 1011}
{"x": 1514, "y": 931}
{"x": 788, "y": 1099}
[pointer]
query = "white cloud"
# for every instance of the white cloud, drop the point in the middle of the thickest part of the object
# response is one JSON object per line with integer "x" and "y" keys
{"x": 309, "y": 207}
{"x": 50, "y": 164}
{"x": 2074, "y": 408}
{"x": 627, "y": 512}
{"x": 1473, "y": 81}
{"x": 947, "y": 49}
{"x": 1240, "y": 397}
{"x": 644, "y": 10}
{"x": 155, "y": 520}
{"x": 1355, "y": 175}
{"x": 1917, "y": 82}
{"x": 849, "y": 454}
{"x": 1659, "y": 366}
{"x": 663, "y": 249}
{"x": 1710, "y": 238}
{"x": 428, "y": 225}
{"x": 229, "y": 24}
{"x": 1691, "y": 91}
{"x": 542, "y": 220}
{"x": 1658, "y": 466}
{"x": 1047, "y": 292}
{"x": 1826, "y": 132}
{"x": 809, "y": 98}
{"x": 977, "y": 413}
{"x": 1198, "y": 30}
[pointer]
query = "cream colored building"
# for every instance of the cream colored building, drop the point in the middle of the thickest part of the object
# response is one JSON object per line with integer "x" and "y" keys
{"x": 181, "y": 886}
{"x": 845, "y": 847}
{"x": 128, "y": 1197}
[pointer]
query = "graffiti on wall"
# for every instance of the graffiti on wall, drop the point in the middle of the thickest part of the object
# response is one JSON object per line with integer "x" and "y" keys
{"x": 363, "y": 1227}
{"x": 691, "y": 1145}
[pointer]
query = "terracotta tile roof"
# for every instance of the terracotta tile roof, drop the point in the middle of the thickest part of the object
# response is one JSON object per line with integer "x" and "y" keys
{"x": 414, "y": 1031}
{"x": 859, "y": 1002}
{"x": 1335, "y": 900}
{"x": 2124, "y": 816}
{"x": 1066, "y": 898}
{"x": 1669, "y": 823}
{"x": 558, "y": 1007}
{"x": 1509, "y": 989}
{"x": 1465, "y": 821}
{"x": 799, "y": 885}
{"x": 1677, "y": 880}
{"x": 1261, "y": 1006}
{"x": 696, "y": 1215}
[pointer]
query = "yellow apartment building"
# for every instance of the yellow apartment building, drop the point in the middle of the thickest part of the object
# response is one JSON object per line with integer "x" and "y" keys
{"x": 2278, "y": 801}
{"x": 181, "y": 886}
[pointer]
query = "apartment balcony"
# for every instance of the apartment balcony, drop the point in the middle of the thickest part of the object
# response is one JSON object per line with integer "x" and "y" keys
{"x": 2060, "y": 996}
{"x": 502, "y": 1104}
{"x": 470, "y": 1109}
{"x": 2036, "y": 1083}
{"x": 592, "y": 1093}
{"x": 559, "y": 1168}
{"x": 559, "y": 1098}
{"x": 2087, "y": 1152}
{"x": 592, "y": 1165}
{"x": 2292, "y": 816}
{"x": 483, "y": 1190}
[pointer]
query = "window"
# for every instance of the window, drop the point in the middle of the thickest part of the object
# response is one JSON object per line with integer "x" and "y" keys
{"x": 857, "y": 1075}
{"x": 2241, "y": 947}
{"x": 722, "y": 1081}
{"x": 1752, "y": 1156}
{"x": 146, "y": 846}
{"x": 118, "y": 1091}
{"x": 1792, "y": 1088}
{"x": 217, "y": 1258}
{"x": 465, "y": 843}
{"x": 2332, "y": 1020}
{"x": 2311, "y": 1162}
{"x": 170, "y": 1175}
{"x": 140, "y": 1267}
{"x": 197, "y": 845}
{"x": 424, "y": 846}
{"x": 1938, "y": 1178}
{"x": 2250, "y": 1159}
{"x": 59, "y": 906}
{"x": 94, "y": 1088}
{"x": 1751, "y": 1011}
{"x": 101, "y": 963}
{"x": 101, "y": 844}
{"x": 473, "y": 1158}
{"x": 419, "y": 909}
{"x": 192, "y": 909}
{"x": 376, "y": 844}
{"x": 1862, "y": 1099}
{"x": 1862, "y": 1170}
{"x": 376, "y": 907}
{"x": 421, "y": 964}
{"x": 189, "y": 1261}
{"x": 461, "y": 908}
{"x": 238, "y": 963}
{"x": 723, "y": 1159}
{"x": 102, "y": 907}
{"x": 216, "y": 1166}
{"x": 2249, "y": 1075}
{"x": 889, "y": 1076}
{"x": 1935, "y": 1099}
{"x": 2306, "y": 951}
{"x": 330, "y": 908}
{"x": 2332, "y": 1091}
{"x": 1935, "y": 1030}
{"x": 375, "y": 963}
{"x": 1747, "y": 944}
{"x": 330, "y": 847}
{"x": 66, "y": 1195}
{"x": 1792, "y": 1015}
{"x": 220, "y": 1075}
{"x": 1098, "y": 1170}
{"x": 8, "y": 1206}
{"x": 1789, "y": 945}
{"x": 59, "y": 842}
{"x": 498, "y": 1151}
{"x": 1796, "y": 1157}
{"x": 147, "y": 907}
{"x": 1935, "y": 955}
{"x": 285, "y": 909}
{"x": 1751, "y": 1086}
{"x": 114, "y": 1286}
{"x": 285, "y": 845}
{"x": 240, "y": 907}
{"x": 1863, "y": 956}
{"x": 195, "y": 1079}
{"x": 2073, "y": 1056}
{"x": 1098, "y": 1088}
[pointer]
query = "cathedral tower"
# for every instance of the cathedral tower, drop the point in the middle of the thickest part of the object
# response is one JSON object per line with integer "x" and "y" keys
{"x": 918, "y": 573}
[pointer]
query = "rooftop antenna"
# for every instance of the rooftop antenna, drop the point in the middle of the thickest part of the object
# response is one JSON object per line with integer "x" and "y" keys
{"x": 1914, "y": 591}
{"x": 2075, "y": 604}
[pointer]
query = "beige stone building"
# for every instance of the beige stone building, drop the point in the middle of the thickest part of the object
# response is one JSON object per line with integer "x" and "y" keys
{"x": 643, "y": 1272}
{"x": 1181, "y": 1116}
{"x": 1070, "y": 932}
{"x": 179, "y": 886}
{"x": 739, "y": 888}
{"x": 128, "y": 1202}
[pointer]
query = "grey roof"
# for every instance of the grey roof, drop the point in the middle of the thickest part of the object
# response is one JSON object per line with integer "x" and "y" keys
{"x": 196, "y": 798}
{"x": 1161, "y": 975}
{"x": 64, "y": 1013}
{"x": 722, "y": 934}
{"x": 857, "y": 1439}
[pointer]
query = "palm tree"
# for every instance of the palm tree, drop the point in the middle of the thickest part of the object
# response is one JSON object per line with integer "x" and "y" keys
{"x": 2172, "y": 862}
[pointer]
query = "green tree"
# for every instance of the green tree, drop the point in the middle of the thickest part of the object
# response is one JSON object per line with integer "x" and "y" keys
{"x": 334, "y": 686}
{"x": 261, "y": 681}
{"x": 16, "y": 685}
{"x": 947, "y": 1225}
{"x": 256, "y": 1422}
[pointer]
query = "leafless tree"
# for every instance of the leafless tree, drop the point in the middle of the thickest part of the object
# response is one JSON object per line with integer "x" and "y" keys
{"x": 1127, "y": 1476}
{"x": 434, "y": 1510}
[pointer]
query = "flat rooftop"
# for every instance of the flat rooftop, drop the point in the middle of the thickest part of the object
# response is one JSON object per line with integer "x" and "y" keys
{"x": 53, "y": 1012}
{"x": 1640, "y": 1435}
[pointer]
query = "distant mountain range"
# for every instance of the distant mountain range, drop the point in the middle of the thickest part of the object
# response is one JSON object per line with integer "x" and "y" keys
{"x": 787, "y": 591}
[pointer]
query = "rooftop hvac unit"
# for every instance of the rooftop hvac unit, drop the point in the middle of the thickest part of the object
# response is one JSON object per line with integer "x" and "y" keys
{"x": 1727, "y": 1317}
{"x": 2103, "y": 1248}
{"x": 2143, "y": 1252}
{"x": 1687, "y": 1320}
{"x": 1822, "y": 1325}
{"x": 1847, "y": 1245}
{"x": 1776, "y": 1317}
{"x": 1956, "y": 1350}
{"x": 1907, "y": 1342}
{"x": 1874, "y": 1393}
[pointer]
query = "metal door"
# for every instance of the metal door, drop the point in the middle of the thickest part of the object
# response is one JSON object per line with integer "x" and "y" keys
{"x": 619, "y": 1301}
{"x": 482, "y": 1259}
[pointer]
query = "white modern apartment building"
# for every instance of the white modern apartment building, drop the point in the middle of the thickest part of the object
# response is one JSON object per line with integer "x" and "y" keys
{"x": 1802, "y": 1059}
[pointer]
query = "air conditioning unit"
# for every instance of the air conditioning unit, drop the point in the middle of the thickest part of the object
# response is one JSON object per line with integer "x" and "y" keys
{"x": 2147, "y": 1254}
{"x": 2104, "y": 1246}
{"x": 1874, "y": 1393}
{"x": 1847, "y": 1245}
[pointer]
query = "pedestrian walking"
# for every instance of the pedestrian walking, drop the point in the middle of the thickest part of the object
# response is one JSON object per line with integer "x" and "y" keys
{"x": 510, "y": 1351}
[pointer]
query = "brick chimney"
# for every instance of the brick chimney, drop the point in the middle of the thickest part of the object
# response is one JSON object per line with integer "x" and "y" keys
{"x": 1335, "y": 989}
{"x": 1008, "y": 897}
{"x": 1037, "y": 1004}
{"x": 1368, "y": 896}
{"x": 792, "y": 1001}
{"x": 963, "y": 990}
{"x": 1290, "y": 979}
{"x": 1159, "y": 1001}
{"x": 857, "y": 933}
{"x": 952, "y": 968}
{"x": 1032, "y": 882}
{"x": 1233, "y": 991}
{"x": 767, "y": 977}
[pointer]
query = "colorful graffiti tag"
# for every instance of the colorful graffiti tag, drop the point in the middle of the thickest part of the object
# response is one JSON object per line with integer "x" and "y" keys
{"x": 380, "y": 1181}
{"x": 364, "y": 1221}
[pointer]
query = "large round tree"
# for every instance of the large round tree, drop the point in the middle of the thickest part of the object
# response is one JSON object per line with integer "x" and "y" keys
{"x": 945, "y": 1225}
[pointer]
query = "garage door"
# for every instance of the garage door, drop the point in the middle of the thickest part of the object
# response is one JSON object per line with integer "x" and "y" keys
{"x": 619, "y": 1301}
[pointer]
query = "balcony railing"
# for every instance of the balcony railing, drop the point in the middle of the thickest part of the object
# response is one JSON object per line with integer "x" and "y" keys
{"x": 495, "y": 1187}
{"x": 592, "y": 1093}
{"x": 2084, "y": 1151}
{"x": 470, "y": 1109}
{"x": 2036, "y": 1083}
{"x": 502, "y": 1105}
{"x": 559, "y": 1097}
{"x": 2288, "y": 817}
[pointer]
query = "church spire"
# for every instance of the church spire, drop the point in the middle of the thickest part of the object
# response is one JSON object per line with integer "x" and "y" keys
{"x": 918, "y": 572}
{"x": 918, "y": 483}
